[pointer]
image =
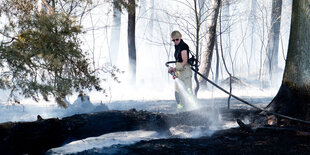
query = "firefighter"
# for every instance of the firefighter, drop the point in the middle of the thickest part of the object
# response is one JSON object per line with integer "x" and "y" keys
{"x": 182, "y": 67}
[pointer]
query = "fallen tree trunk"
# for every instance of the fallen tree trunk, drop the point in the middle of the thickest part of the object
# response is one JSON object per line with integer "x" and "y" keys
{"x": 39, "y": 136}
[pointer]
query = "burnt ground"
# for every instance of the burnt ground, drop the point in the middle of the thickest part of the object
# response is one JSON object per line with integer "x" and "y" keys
{"x": 254, "y": 138}
{"x": 231, "y": 141}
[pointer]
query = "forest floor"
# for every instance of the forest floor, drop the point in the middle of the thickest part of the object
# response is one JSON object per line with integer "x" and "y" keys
{"x": 256, "y": 137}
{"x": 251, "y": 135}
{"x": 263, "y": 140}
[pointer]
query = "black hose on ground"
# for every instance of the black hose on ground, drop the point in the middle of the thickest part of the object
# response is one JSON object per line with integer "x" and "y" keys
{"x": 247, "y": 103}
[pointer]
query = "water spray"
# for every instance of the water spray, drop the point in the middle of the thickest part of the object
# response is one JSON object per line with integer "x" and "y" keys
{"x": 191, "y": 103}
{"x": 186, "y": 93}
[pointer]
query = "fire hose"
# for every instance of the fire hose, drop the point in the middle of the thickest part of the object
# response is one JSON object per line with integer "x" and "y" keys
{"x": 236, "y": 97}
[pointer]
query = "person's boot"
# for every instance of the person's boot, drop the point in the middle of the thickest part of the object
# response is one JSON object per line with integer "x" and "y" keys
{"x": 180, "y": 106}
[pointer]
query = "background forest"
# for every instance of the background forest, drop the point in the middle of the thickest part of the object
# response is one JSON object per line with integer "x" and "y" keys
{"x": 91, "y": 76}
{"x": 251, "y": 37}
{"x": 54, "y": 49}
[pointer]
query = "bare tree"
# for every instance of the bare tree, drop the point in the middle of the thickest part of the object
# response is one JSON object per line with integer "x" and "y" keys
{"x": 198, "y": 18}
{"x": 147, "y": 13}
{"x": 151, "y": 21}
{"x": 252, "y": 24}
{"x": 217, "y": 61}
{"x": 271, "y": 61}
{"x": 206, "y": 57}
{"x": 221, "y": 45}
{"x": 227, "y": 29}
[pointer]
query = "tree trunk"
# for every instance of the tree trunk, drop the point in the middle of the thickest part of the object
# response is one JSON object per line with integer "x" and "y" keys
{"x": 115, "y": 33}
{"x": 293, "y": 97}
{"x": 217, "y": 61}
{"x": 224, "y": 63}
{"x": 252, "y": 23}
{"x": 226, "y": 20}
{"x": 271, "y": 61}
{"x": 131, "y": 40}
{"x": 207, "y": 55}
{"x": 197, "y": 17}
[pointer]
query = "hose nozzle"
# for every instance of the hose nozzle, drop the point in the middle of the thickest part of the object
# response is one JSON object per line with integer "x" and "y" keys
{"x": 171, "y": 71}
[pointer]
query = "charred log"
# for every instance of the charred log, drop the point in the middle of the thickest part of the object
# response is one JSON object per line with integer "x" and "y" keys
{"x": 39, "y": 136}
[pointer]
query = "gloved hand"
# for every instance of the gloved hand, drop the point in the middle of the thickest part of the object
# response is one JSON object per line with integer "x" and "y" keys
{"x": 170, "y": 70}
